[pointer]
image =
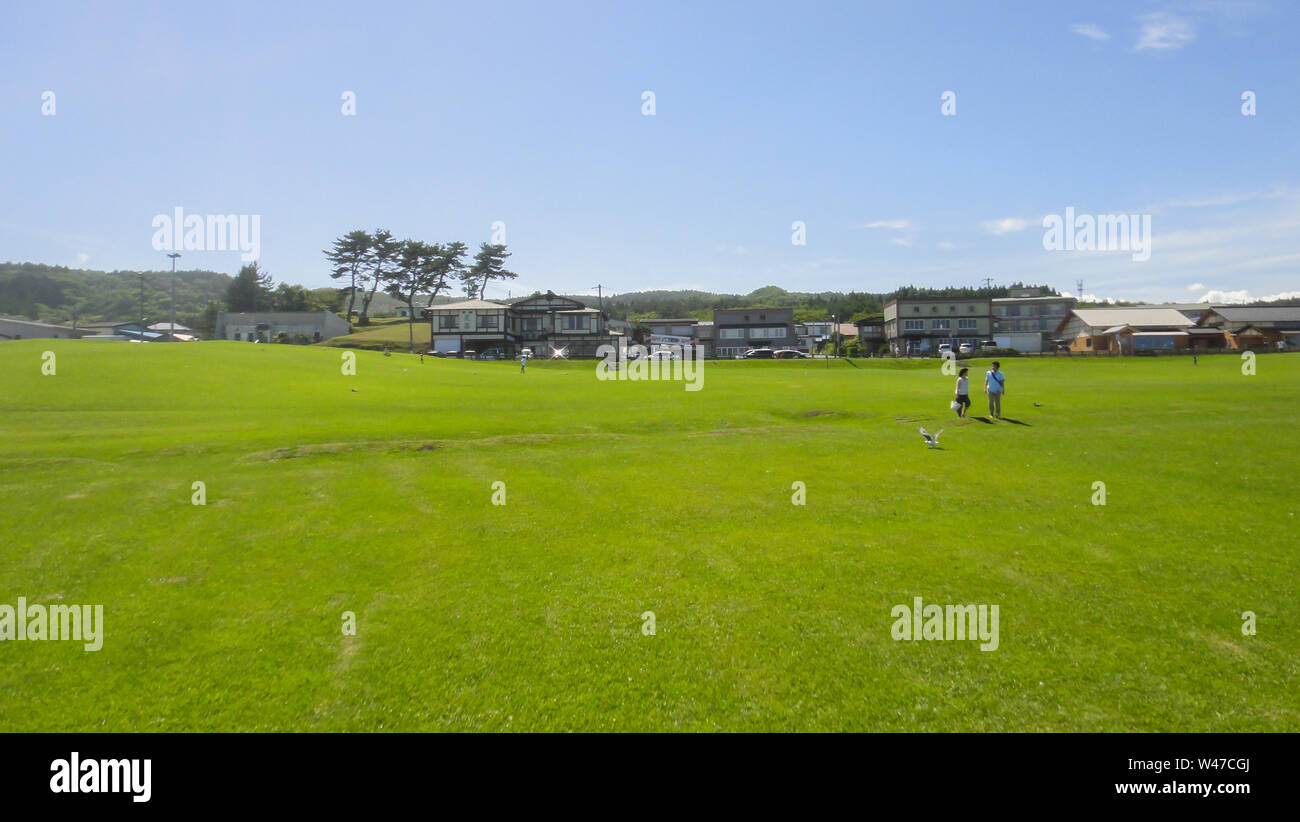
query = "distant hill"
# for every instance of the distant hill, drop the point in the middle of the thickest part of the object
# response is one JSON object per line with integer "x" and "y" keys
{"x": 48, "y": 293}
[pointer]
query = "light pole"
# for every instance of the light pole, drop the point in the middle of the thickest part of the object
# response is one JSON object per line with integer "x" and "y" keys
{"x": 173, "y": 255}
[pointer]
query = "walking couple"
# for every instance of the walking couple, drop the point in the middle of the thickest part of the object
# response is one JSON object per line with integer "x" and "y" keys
{"x": 995, "y": 385}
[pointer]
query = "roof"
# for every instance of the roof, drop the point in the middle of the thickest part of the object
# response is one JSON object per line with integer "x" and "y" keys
{"x": 466, "y": 305}
{"x": 1257, "y": 314}
{"x": 35, "y": 324}
{"x": 168, "y": 327}
{"x": 668, "y": 321}
{"x": 1054, "y": 299}
{"x": 1159, "y": 333}
{"x": 1107, "y": 317}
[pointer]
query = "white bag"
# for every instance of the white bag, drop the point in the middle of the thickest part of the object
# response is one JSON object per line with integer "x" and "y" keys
{"x": 955, "y": 405}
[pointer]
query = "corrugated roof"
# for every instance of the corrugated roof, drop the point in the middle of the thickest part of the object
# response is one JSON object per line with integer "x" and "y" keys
{"x": 1107, "y": 317}
{"x": 466, "y": 305}
{"x": 1259, "y": 314}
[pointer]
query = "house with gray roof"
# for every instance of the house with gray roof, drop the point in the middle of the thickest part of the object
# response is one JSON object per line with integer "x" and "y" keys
{"x": 1254, "y": 326}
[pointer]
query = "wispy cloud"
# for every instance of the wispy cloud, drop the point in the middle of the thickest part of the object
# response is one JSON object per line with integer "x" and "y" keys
{"x": 1162, "y": 31}
{"x": 1090, "y": 30}
{"x": 1006, "y": 225}
{"x": 895, "y": 225}
{"x": 903, "y": 241}
{"x": 1197, "y": 287}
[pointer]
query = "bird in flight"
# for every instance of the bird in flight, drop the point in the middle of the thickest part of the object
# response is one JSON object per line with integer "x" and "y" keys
{"x": 931, "y": 440}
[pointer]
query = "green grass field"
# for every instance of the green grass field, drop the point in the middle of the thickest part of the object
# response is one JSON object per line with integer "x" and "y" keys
{"x": 389, "y": 333}
{"x": 373, "y": 494}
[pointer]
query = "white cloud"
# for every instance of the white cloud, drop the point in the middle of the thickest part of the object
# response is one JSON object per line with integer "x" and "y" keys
{"x": 903, "y": 241}
{"x": 1090, "y": 30}
{"x": 895, "y": 225}
{"x": 1243, "y": 296}
{"x": 1005, "y": 225}
{"x": 82, "y": 258}
{"x": 1093, "y": 298}
{"x": 1162, "y": 31}
{"x": 1197, "y": 287}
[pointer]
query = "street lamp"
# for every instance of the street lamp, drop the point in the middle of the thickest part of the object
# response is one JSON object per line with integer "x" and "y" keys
{"x": 173, "y": 255}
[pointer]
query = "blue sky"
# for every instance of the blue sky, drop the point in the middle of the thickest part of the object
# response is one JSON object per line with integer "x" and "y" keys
{"x": 765, "y": 114}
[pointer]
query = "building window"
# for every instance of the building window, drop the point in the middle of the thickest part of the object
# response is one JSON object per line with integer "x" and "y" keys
{"x": 934, "y": 309}
{"x": 916, "y": 309}
{"x": 577, "y": 322}
{"x": 940, "y": 325}
{"x": 970, "y": 308}
{"x": 731, "y": 333}
{"x": 762, "y": 318}
{"x": 1087, "y": 343}
{"x": 532, "y": 324}
{"x": 237, "y": 337}
{"x": 967, "y": 323}
{"x": 317, "y": 335}
{"x": 446, "y": 322}
{"x": 952, "y": 309}
{"x": 914, "y": 325}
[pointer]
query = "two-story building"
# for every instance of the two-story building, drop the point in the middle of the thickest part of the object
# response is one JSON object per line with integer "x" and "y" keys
{"x": 472, "y": 325}
{"x": 919, "y": 325}
{"x": 547, "y": 324}
{"x": 736, "y": 330}
{"x": 1026, "y": 322}
{"x": 550, "y": 324}
{"x": 871, "y": 333}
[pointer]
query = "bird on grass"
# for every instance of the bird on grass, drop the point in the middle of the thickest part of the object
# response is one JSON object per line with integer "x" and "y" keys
{"x": 931, "y": 440}
{"x": 1038, "y": 405}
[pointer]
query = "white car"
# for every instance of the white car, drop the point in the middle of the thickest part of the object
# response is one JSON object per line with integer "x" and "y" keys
{"x": 966, "y": 348}
{"x": 662, "y": 355}
{"x": 944, "y": 348}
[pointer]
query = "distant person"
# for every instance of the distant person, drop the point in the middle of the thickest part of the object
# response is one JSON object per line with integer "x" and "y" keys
{"x": 523, "y": 362}
{"x": 963, "y": 392}
{"x": 995, "y": 385}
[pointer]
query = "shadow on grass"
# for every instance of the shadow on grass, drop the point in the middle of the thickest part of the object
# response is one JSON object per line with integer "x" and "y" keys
{"x": 1015, "y": 422}
{"x": 984, "y": 420}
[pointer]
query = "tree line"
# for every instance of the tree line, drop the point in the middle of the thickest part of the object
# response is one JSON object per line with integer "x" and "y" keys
{"x": 410, "y": 269}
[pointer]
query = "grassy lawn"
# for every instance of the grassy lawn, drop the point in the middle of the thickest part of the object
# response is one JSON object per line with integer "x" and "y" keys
{"x": 384, "y": 333}
{"x": 372, "y": 493}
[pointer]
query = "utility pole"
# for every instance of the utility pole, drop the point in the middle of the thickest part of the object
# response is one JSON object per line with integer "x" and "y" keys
{"x": 142, "y": 305}
{"x": 173, "y": 255}
{"x": 988, "y": 282}
{"x": 600, "y": 298}
{"x": 1079, "y": 285}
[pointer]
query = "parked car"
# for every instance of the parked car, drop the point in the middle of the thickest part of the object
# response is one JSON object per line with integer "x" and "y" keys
{"x": 662, "y": 355}
{"x": 790, "y": 355}
{"x": 527, "y": 352}
{"x": 491, "y": 354}
{"x": 989, "y": 344}
{"x": 945, "y": 348}
{"x": 759, "y": 354}
{"x": 965, "y": 348}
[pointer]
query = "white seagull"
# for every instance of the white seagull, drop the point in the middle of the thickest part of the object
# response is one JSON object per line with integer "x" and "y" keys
{"x": 931, "y": 440}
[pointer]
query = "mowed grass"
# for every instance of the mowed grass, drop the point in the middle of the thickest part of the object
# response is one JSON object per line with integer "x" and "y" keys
{"x": 372, "y": 493}
{"x": 392, "y": 334}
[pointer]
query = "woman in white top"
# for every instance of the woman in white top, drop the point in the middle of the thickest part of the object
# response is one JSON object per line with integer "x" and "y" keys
{"x": 963, "y": 392}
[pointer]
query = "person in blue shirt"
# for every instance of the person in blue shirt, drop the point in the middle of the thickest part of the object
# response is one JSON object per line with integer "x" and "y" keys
{"x": 995, "y": 385}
